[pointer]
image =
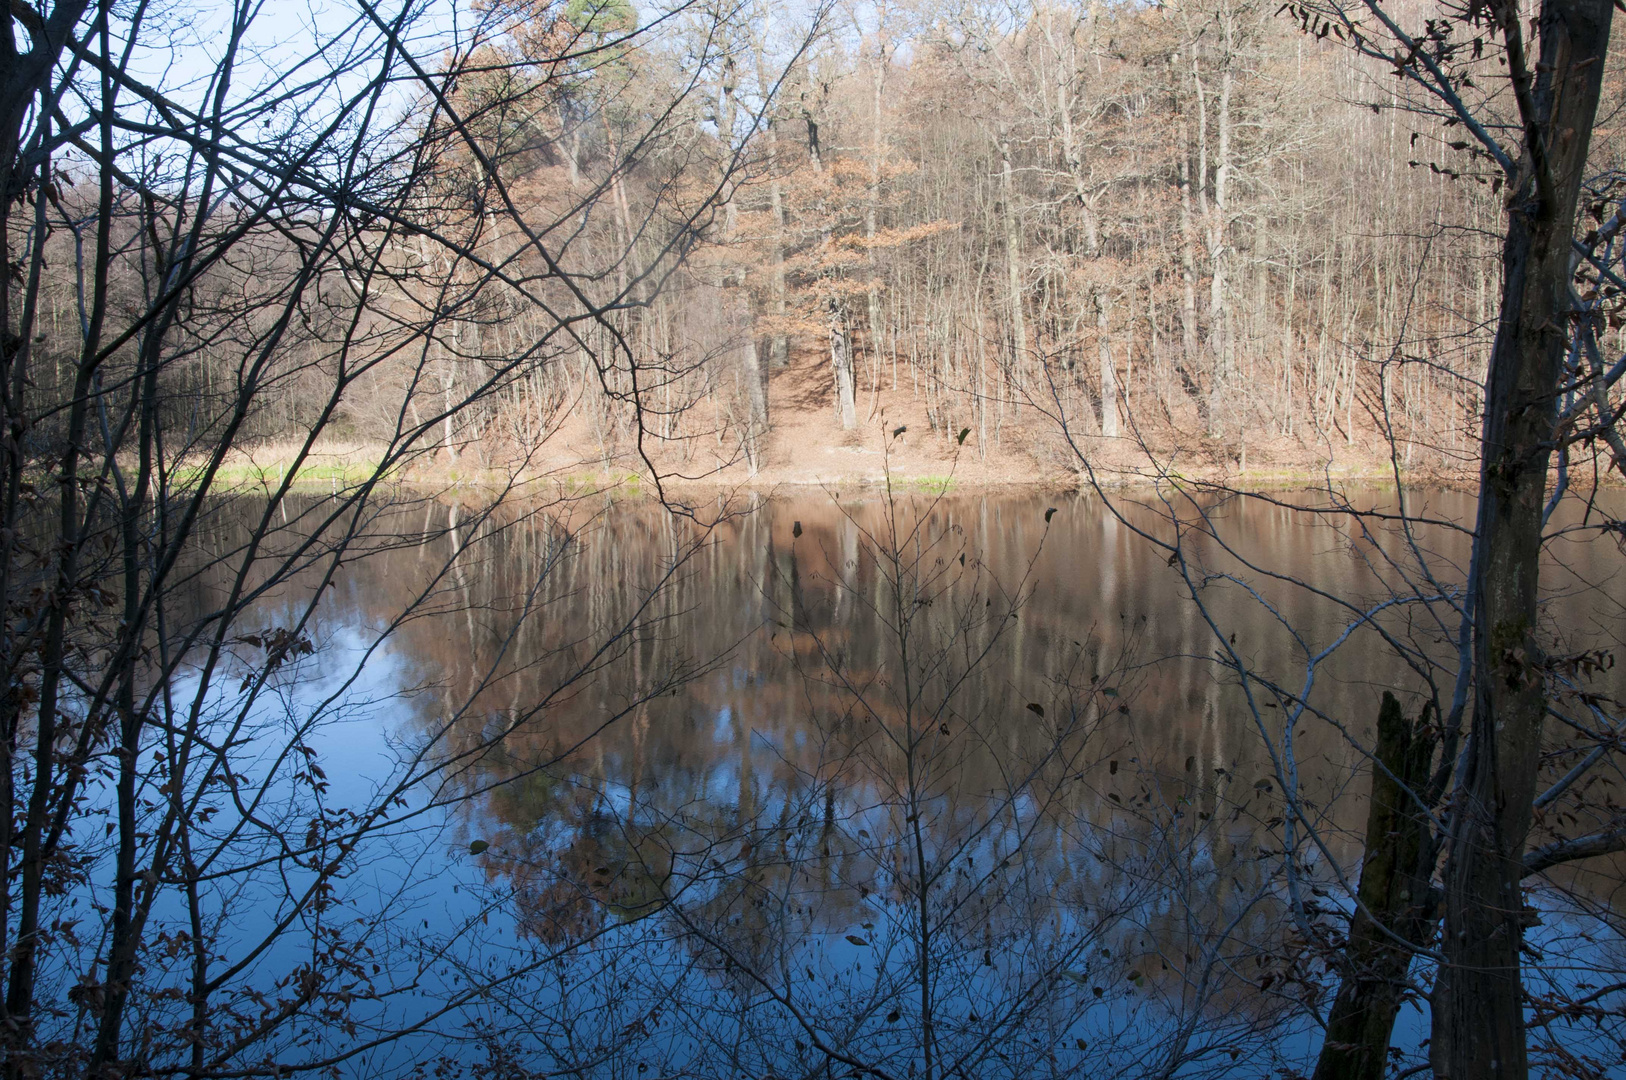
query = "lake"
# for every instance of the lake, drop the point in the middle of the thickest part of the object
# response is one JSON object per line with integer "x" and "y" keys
{"x": 913, "y": 786}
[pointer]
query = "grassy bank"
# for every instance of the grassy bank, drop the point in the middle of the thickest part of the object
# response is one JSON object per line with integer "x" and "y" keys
{"x": 333, "y": 466}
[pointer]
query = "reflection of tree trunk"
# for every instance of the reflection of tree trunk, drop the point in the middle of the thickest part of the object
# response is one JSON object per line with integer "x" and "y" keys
{"x": 799, "y": 621}
{"x": 1478, "y": 1014}
{"x": 448, "y": 383}
{"x": 1394, "y": 903}
{"x": 454, "y": 531}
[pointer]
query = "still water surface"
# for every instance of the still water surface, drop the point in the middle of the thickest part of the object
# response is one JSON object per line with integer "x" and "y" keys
{"x": 946, "y": 788}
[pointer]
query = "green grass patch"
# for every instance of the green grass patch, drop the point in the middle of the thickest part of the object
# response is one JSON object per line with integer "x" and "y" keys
{"x": 246, "y": 475}
{"x": 934, "y": 485}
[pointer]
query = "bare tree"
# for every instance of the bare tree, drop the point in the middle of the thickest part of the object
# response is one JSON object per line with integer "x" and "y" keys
{"x": 313, "y": 232}
{"x": 1465, "y": 635}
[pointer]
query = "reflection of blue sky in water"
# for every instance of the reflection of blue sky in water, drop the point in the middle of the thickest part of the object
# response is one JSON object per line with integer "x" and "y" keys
{"x": 1103, "y": 897}
{"x": 350, "y": 702}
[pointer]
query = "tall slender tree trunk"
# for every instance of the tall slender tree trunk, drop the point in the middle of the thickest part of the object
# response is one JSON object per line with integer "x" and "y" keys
{"x": 1109, "y": 371}
{"x": 1188, "y": 280}
{"x": 841, "y": 362}
{"x": 1066, "y": 102}
{"x": 841, "y": 352}
{"x": 1221, "y": 338}
{"x": 1478, "y": 1013}
{"x": 871, "y": 209}
{"x": 778, "y": 341}
{"x": 738, "y": 299}
{"x": 1013, "y": 264}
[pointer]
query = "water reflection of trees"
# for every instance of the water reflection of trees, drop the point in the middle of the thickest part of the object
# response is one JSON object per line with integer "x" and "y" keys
{"x": 714, "y": 827}
{"x": 1109, "y": 871}
{"x": 1105, "y": 874}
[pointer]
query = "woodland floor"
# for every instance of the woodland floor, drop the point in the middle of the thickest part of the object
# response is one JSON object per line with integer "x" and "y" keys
{"x": 1012, "y": 446}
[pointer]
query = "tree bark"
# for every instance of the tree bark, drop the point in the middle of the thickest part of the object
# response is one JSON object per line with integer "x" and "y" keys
{"x": 841, "y": 361}
{"x": 1478, "y": 1014}
{"x": 872, "y": 198}
{"x": 1109, "y": 372}
{"x": 1013, "y": 265}
{"x": 778, "y": 342}
{"x": 1221, "y": 342}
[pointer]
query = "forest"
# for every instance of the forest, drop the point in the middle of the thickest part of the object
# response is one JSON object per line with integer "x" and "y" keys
{"x": 1194, "y": 231}
{"x": 716, "y": 538}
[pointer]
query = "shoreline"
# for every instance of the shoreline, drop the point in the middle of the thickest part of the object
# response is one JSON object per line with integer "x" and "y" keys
{"x": 343, "y": 466}
{"x": 339, "y": 465}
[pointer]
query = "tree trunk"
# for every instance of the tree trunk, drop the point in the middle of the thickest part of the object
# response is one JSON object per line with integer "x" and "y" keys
{"x": 756, "y": 385}
{"x": 1478, "y": 1015}
{"x": 1395, "y": 902}
{"x": 778, "y": 342}
{"x": 841, "y": 361}
{"x": 1013, "y": 265}
{"x": 1221, "y": 339}
{"x": 871, "y": 204}
{"x": 1189, "y": 354}
{"x": 1109, "y": 372}
{"x": 738, "y": 300}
